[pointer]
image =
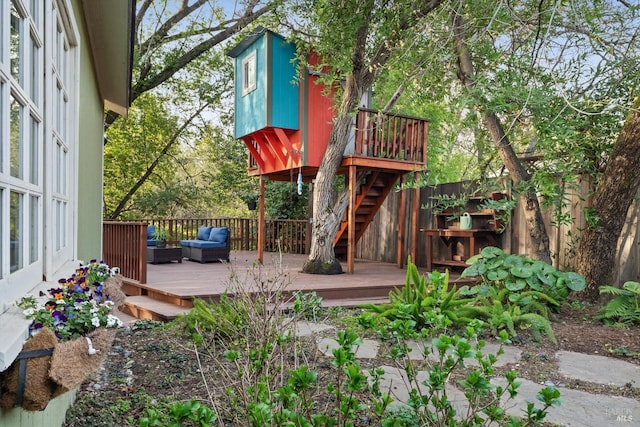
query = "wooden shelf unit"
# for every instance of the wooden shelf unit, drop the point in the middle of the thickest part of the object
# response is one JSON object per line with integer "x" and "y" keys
{"x": 486, "y": 226}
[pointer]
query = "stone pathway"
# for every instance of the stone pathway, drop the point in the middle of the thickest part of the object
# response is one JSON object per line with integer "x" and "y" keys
{"x": 577, "y": 408}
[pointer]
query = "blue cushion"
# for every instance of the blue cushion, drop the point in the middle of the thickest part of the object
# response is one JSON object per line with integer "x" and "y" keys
{"x": 186, "y": 242}
{"x": 205, "y": 244}
{"x": 151, "y": 229}
{"x": 204, "y": 232}
{"x": 151, "y": 242}
{"x": 219, "y": 234}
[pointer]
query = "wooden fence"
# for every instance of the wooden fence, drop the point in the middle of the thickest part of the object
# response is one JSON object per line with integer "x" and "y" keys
{"x": 124, "y": 245}
{"x": 379, "y": 242}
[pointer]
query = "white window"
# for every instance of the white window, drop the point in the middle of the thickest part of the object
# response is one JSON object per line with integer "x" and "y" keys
{"x": 60, "y": 134}
{"x": 249, "y": 73}
{"x": 21, "y": 138}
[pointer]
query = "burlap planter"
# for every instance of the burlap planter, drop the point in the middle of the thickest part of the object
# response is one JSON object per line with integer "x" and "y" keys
{"x": 51, "y": 368}
{"x": 48, "y": 376}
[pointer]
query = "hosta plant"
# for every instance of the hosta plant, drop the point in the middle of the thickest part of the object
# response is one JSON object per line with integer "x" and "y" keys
{"x": 527, "y": 281}
{"x": 515, "y": 290}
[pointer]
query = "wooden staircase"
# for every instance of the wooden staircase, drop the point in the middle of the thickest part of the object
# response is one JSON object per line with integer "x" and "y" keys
{"x": 370, "y": 196}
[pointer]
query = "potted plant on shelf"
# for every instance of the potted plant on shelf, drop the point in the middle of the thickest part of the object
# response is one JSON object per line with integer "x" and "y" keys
{"x": 161, "y": 235}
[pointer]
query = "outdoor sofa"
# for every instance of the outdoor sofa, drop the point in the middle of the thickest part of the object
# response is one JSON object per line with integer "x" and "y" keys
{"x": 151, "y": 231}
{"x": 211, "y": 244}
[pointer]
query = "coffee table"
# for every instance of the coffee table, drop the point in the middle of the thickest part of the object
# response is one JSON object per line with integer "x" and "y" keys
{"x": 157, "y": 255}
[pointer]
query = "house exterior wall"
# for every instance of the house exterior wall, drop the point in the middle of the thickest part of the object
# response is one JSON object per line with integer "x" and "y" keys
{"x": 51, "y": 123}
{"x": 90, "y": 157}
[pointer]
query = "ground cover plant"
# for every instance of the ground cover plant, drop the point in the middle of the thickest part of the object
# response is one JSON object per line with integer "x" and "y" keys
{"x": 240, "y": 361}
{"x": 255, "y": 370}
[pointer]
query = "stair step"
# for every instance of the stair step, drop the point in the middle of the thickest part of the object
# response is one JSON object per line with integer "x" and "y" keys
{"x": 144, "y": 307}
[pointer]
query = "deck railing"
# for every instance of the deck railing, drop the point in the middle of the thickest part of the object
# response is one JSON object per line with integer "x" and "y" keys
{"x": 391, "y": 136}
{"x": 385, "y": 136}
{"x": 124, "y": 243}
{"x": 124, "y": 246}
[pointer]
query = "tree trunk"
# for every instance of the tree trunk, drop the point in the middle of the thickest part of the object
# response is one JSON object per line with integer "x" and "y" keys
{"x": 533, "y": 215}
{"x": 597, "y": 250}
{"x": 328, "y": 209}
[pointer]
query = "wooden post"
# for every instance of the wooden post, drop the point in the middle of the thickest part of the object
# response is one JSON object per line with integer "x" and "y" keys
{"x": 261, "y": 222}
{"x": 307, "y": 240}
{"x": 415, "y": 218}
{"x": 351, "y": 228}
{"x": 401, "y": 222}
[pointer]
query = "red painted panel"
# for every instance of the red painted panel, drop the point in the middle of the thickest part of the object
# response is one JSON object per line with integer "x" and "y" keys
{"x": 319, "y": 121}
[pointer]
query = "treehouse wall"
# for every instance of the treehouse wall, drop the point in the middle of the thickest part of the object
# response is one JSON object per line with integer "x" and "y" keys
{"x": 317, "y": 118}
{"x": 266, "y": 94}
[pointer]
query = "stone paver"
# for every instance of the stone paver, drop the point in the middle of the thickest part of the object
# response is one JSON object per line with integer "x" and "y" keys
{"x": 598, "y": 369}
{"x": 577, "y": 408}
{"x": 305, "y": 329}
{"x": 367, "y": 350}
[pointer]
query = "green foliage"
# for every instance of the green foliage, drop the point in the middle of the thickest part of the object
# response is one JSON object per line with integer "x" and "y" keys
{"x": 220, "y": 320}
{"x": 533, "y": 280}
{"x": 430, "y": 403}
{"x": 425, "y": 302}
{"x": 283, "y": 201}
{"x": 624, "y": 308}
{"x": 307, "y": 305}
{"x": 518, "y": 291}
{"x": 161, "y": 234}
{"x": 191, "y": 411}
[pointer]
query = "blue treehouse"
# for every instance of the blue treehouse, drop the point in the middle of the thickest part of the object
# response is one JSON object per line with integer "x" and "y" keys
{"x": 285, "y": 120}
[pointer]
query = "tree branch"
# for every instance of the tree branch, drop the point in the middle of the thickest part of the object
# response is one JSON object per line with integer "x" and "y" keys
{"x": 119, "y": 209}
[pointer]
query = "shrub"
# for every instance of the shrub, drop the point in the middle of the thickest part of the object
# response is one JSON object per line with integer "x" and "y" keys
{"x": 517, "y": 290}
{"x": 624, "y": 308}
{"x": 424, "y": 301}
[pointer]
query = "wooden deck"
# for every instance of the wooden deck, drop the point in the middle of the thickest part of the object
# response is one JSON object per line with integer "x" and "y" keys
{"x": 171, "y": 287}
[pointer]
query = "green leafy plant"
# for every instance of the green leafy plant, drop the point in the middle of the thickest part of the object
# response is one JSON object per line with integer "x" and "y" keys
{"x": 176, "y": 415}
{"x": 217, "y": 320}
{"x": 455, "y": 204}
{"x": 424, "y": 298}
{"x": 307, "y": 305}
{"x": 624, "y": 308}
{"x": 502, "y": 207}
{"x": 161, "y": 234}
{"x": 515, "y": 290}
{"x": 528, "y": 280}
{"x": 430, "y": 402}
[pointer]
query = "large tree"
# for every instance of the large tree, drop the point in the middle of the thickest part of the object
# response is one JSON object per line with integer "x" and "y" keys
{"x": 356, "y": 38}
{"x": 611, "y": 201}
{"x": 491, "y": 121}
{"x": 181, "y": 106}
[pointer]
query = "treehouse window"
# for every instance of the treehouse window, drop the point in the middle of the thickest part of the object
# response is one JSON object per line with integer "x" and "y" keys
{"x": 249, "y": 73}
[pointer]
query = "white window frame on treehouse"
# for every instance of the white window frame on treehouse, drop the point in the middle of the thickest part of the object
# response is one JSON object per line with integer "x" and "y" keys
{"x": 249, "y": 71}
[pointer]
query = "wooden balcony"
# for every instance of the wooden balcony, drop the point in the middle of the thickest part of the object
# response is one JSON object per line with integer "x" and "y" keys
{"x": 383, "y": 140}
{"x": 390, "y": 136}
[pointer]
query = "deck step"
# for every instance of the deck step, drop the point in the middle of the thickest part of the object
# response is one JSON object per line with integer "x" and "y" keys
{"x": 144, "y": 307}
